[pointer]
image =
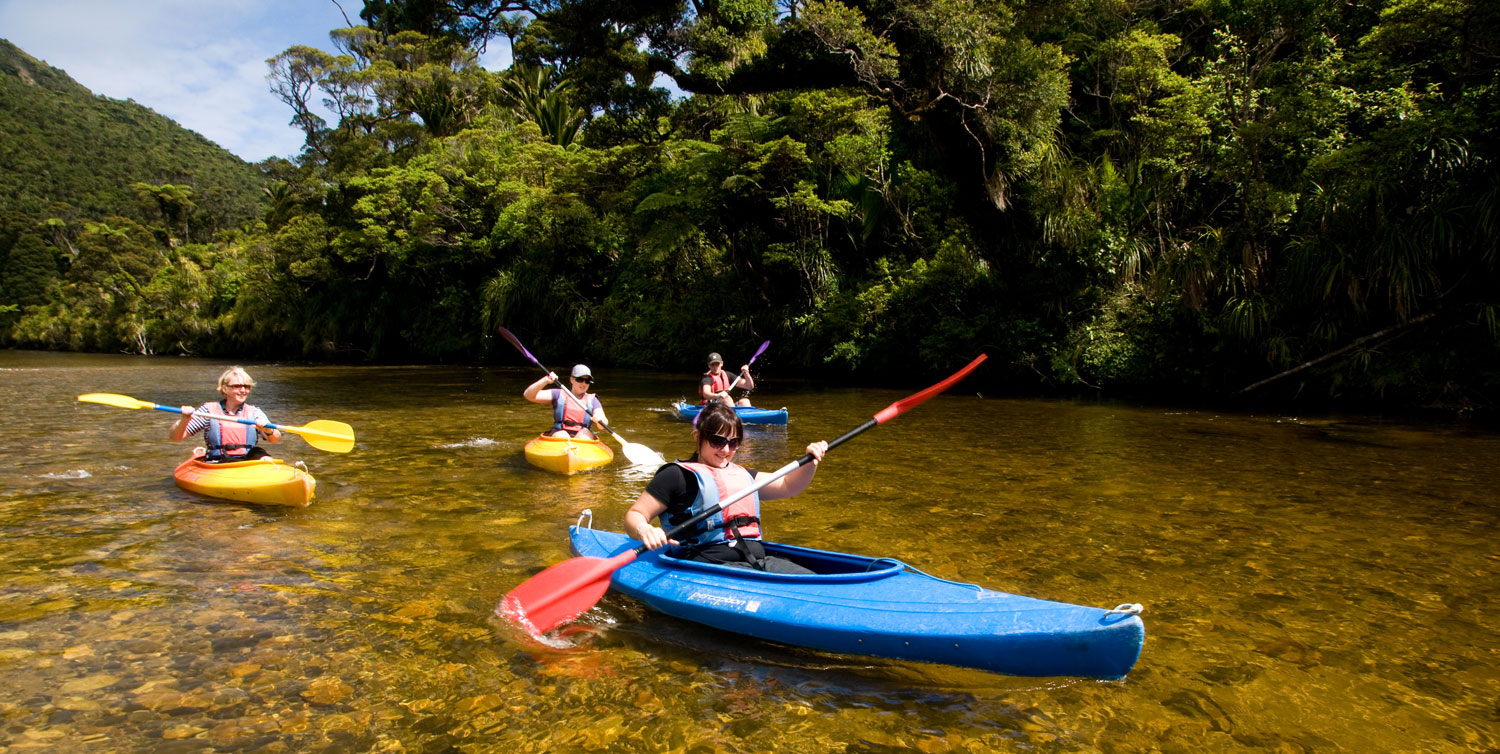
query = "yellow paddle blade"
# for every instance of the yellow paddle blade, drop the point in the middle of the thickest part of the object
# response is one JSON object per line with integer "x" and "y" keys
{"x": 113, "y": 399}
{"x": 325, "y": 434}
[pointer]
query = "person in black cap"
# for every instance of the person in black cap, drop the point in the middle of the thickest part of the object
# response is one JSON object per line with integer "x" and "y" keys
{"x": 715, "y": 383}
{"x": 569, "y": 419}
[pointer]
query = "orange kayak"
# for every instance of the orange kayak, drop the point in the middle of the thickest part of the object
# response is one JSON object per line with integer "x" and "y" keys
{"x": 267, "y": 481}
{"x": 567, "y": 455}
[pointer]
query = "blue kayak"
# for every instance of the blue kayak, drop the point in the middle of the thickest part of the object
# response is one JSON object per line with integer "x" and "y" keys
{"x": 880, "y": 607}
{"x": 748, "y": 414}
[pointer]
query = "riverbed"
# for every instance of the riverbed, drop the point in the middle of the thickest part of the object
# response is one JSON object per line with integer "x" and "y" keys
{"x": 1310, "y": 583}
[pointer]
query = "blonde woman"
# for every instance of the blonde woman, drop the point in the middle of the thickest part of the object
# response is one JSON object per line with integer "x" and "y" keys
{"x": 228, "y": 440}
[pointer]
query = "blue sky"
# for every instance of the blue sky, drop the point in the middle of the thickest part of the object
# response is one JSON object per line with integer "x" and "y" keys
{"x": 201, "y": 63}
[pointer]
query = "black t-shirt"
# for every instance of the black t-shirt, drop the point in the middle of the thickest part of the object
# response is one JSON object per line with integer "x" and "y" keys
{"x": 675, "y": 487}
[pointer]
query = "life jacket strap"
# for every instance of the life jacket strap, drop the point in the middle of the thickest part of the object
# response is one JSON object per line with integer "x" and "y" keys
{"x": 732, "y": 529}
{"x": 733, "y": 524}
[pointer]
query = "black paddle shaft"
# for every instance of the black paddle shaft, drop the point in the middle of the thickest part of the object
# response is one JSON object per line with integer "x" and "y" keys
{"x": 789, "y": 468}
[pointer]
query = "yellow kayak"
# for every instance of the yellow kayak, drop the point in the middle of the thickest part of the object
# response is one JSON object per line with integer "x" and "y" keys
{"x": 567, "y": 455}
{"x": 267, "y": 481}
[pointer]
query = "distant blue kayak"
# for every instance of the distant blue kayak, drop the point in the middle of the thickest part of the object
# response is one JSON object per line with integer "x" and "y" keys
{"x": 880, "y": 607}
{"x": 748, "y": 414}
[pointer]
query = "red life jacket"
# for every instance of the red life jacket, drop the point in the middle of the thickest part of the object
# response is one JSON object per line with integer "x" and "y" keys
{"x": 741, "y": 519}
{"x": 223, "y": 439}
{"x": 721, "y": 382}
{"x": 567, "y": 415}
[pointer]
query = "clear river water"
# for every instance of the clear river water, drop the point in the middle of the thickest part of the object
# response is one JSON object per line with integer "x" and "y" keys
{"x": 1310, "y": 583}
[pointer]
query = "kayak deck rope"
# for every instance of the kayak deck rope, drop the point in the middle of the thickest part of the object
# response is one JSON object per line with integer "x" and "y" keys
{"x": 1126, "y": 608}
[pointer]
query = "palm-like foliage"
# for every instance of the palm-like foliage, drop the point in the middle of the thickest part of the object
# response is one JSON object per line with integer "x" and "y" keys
{"x": 536, "y": 93}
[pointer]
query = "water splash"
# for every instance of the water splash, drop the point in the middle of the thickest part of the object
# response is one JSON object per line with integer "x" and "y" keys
{"x": 74, "y": 474}
{"x": 513, "y": 614}
{"x": 511, "y": 611}
{"x": 478, "y": 442}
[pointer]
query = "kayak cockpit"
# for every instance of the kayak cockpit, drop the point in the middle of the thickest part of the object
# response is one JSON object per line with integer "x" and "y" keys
{"x": 827, "y": 567}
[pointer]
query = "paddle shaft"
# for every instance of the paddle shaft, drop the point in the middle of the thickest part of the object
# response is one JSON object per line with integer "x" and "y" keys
{"x": 268, "y": 425}
{"x": 884, "y": 415}
{"x": 759, "y": 483}
{"x": 332, "y": 436}
{"x": 737, "y": 375}
{"x": 221, "y": 417}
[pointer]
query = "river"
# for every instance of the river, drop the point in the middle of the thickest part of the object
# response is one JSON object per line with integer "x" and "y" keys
{"x": 1310, "y": 583}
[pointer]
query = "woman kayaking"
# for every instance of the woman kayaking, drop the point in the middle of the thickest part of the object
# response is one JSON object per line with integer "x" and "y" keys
{"x": 568, "y": 418}
{"x": 228, "y": 440}
{"x": 715, "y": 383}
{"x": 680, "y": 490}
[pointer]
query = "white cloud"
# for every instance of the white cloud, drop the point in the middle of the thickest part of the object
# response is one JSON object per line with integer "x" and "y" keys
{"x": 496, "y": 56}
{"x": 200, "y": 63}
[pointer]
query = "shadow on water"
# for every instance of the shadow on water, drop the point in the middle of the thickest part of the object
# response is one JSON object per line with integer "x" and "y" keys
{"x": 1310, "y": 584}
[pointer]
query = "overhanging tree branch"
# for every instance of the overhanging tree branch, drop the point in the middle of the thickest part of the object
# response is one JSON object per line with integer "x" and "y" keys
{"x": 1386, "y": 333}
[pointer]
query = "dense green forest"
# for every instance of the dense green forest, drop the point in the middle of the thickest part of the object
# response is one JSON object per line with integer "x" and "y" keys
{"x": 1184, "y": 199}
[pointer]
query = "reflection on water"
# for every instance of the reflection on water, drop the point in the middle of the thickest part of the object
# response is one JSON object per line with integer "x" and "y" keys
{"x": 1310, "y": 584}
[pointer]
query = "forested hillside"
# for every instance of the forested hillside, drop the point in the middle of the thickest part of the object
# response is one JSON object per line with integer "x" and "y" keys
{"x": 64, "y": 144}
{"x": 1187, "y": 199}
{"x": 102, "y": 203}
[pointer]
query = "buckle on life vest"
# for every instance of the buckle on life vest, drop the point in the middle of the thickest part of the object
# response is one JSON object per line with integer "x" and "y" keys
{"x": 733, "y": 524}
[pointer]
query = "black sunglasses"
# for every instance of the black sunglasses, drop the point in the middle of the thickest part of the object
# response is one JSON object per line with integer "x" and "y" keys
{"x": 585, "y": 380}
{"x": 718, "y": 442}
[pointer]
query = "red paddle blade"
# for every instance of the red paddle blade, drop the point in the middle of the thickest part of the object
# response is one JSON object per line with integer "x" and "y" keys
{"x": 892, "y": 411}
{"x": 560, "y": 593}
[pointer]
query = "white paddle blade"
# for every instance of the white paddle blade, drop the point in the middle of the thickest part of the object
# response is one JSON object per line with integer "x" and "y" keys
{"x": 641, "y": 455}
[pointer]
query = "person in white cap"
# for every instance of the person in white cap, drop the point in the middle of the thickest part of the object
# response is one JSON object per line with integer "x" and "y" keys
{"x": 568, "y": 418}
{"x": 715, "y": 383}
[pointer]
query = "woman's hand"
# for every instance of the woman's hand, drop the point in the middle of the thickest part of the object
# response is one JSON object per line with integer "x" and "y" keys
{"x": 273, "y": 435}
{"x": 532, "y": 390}
{"x": 817, "y": 450}
{"x": 638, "y": 521}
{"x": 653, "y": 537}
